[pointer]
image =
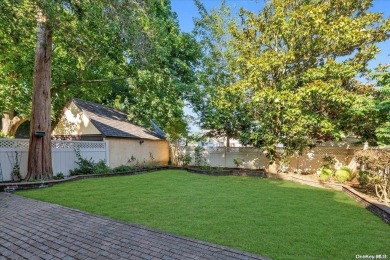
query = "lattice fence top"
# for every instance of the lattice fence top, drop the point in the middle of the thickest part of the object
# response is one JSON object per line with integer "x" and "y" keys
{"x": 13, "y": 143}
{"x": 55, "y": 144}
{"x": 227, "y": 149}
{"x": 233, "y": 150}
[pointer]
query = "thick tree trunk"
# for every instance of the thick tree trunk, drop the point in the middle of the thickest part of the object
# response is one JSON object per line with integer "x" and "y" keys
{"x": 39, "y": 154}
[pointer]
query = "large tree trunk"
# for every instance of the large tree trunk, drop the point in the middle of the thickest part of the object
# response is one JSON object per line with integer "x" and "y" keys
{"x": 39, "y": 154}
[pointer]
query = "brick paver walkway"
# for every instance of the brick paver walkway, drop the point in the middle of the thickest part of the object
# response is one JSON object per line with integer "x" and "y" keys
{"x": 31, "y": 229}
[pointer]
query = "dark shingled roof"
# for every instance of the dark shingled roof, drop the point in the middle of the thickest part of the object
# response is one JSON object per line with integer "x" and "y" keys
{"x": 113, "y": 123}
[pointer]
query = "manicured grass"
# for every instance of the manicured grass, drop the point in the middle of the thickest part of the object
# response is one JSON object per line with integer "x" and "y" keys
{"x": 276, "y": 219}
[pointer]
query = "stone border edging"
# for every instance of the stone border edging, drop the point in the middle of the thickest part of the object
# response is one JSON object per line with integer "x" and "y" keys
{"x": 380, "y": 210}
{"x": 229, "y": 172}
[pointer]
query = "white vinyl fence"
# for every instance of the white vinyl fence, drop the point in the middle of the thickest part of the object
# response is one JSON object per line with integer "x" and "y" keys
{"x": 14, "y": 151}
{"x": 251, "y": 158}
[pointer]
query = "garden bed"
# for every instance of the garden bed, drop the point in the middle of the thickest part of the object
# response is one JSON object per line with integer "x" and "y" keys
{"x": 43, "y": 184}
{"x": 218, "y": 171}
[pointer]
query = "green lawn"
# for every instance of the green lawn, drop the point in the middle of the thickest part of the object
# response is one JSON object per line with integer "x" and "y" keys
{"x": 276, "y": 219}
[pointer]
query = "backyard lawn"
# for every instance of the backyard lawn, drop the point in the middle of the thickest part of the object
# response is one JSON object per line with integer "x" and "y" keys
{"x": 272, "y": 218}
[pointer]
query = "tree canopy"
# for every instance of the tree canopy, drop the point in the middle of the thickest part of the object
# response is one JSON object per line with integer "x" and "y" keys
{"x": 295, "y": 67}
{"x": 214, "y": 75}
{"x": 129, "y": 54}
{"x": 125, "y": 53}
{"x": 382, "y": 126}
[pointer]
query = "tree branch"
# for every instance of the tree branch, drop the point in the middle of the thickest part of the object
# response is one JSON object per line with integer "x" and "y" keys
{"x": 102, "y": 80}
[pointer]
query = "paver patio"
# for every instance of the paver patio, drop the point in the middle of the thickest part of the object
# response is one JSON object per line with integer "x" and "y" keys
{"x": 31, "y": 229}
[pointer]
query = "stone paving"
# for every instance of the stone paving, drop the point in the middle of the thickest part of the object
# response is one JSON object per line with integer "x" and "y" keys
{"x": 31, "y": 229}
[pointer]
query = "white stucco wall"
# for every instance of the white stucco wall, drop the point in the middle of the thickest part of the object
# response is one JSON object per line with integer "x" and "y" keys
{"x": 121, "y": 151}
{"x": 74, "y": 122}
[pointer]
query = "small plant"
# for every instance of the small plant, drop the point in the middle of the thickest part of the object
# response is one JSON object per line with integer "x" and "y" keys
{"x": 329, "y": 161}
{"x": 102, "y": 168}
{"x": 88, "y": 166}
{"x": 132, "y": 159}
{"x": 123, "y": 168}
{"x": 200, "y": 160}
{"x": 325, "y": 174}
{"x": 238, "y": 162}
{"x": 151, "y": 157}
{"x": 59, "y": 176}
{"x": 184, "y": 159}
{"x": 364, "y": 180}
{"x": 15, "y": 173}
{"x": 343, "y": 174}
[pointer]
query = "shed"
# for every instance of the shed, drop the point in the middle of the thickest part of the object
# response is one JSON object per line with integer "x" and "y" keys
{"x": 128, "y": 143}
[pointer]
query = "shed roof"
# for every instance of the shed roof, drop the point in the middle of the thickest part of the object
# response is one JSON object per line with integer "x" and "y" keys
{"x": 113, "y": 123}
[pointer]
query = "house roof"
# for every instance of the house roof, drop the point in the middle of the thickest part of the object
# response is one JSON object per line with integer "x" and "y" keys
{"x": 113, "y": 123}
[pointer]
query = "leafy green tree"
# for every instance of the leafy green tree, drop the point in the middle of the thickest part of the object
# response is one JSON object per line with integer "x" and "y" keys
{"x": 297, "y": 63}
{"x": 382, "y": 131}
{"x": 163, "y": 79}
{"x": 215, "y": 75}
{"x": 16, "y": 64}
{"x": 124, "y": 53}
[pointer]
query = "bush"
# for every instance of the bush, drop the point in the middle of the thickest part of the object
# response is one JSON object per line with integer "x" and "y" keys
{"x": 200, "y": 159}
{"x": 88, "y": 166}
{"x": 184, "y": 159}
{"x": 364, "y": 180}
{"x": 375, "y": 171}
{"x": 59, "y": 176}
{"x": 123, "y": 168}
{"x": 101, "y": 167}
{"x": 325, "y": 174}
{"x": 238, "y": 162}
{"x": 342, "y": 175}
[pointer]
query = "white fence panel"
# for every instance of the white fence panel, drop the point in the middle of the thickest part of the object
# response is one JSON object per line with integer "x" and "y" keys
{"x": 253, "y": 158}
{"x": 224, "y": 157}
{"x": 63, "y": 155}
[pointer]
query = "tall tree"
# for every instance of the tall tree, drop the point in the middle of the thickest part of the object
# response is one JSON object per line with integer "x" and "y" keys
{"x": 382, "y": 78}
{"x": 214, "y": 75}
{"x": 124, "y": 53}
{"x": 164, "y": 78}
{"x": 39, "y": 160}
{"x": 66, "y": 20}
{"x": 297, "y": 63}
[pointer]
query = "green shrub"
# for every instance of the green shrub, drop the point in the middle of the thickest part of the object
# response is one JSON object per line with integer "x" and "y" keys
{"x": 342, "y": 175}
{"x": 363, "y": 179}
{"x": 200, "y": 159}
{"x": 59, "y": 176}
{"x": 88, "y": 166}
{"x": 123, "y": 168}
{"x": 102, "y": 168}
{"x": 238, "y": 162}
{"x": 325, "y": 174}
{"x": 329, "y": 161}
{"x": 184, "y": 159}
